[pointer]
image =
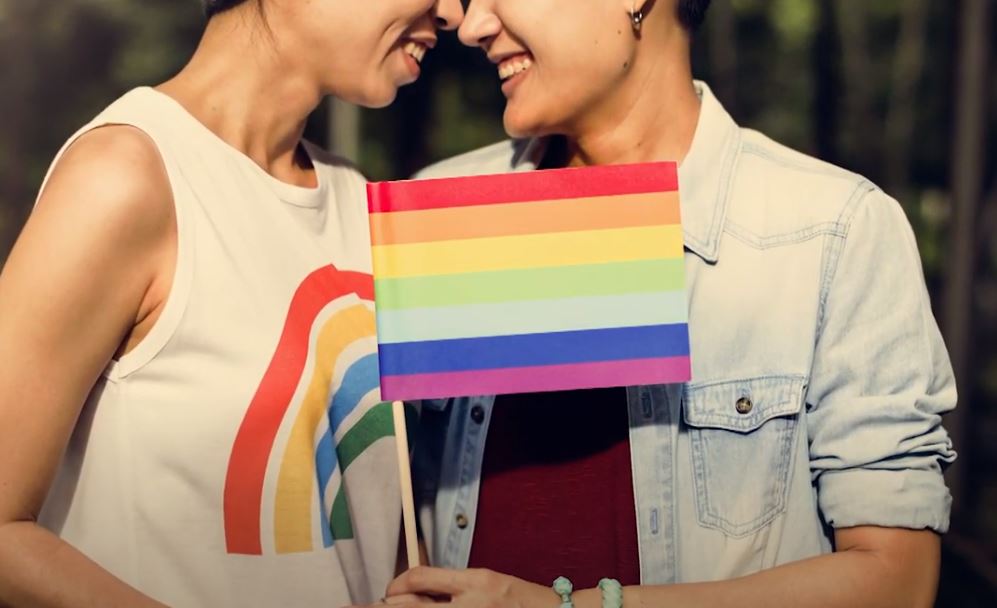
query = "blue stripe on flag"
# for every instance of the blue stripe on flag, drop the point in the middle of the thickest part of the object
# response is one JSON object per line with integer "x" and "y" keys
{"x": 555, "y": 348}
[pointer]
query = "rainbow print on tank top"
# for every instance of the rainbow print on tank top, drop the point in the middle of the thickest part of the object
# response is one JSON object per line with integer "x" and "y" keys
{"x": 528, "y": 282}
{"x": 315, "y": 412}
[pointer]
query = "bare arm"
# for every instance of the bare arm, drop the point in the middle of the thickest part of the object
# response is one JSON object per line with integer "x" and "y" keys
{"x": 84, "y": 274}
{"x": 873, "y": 567}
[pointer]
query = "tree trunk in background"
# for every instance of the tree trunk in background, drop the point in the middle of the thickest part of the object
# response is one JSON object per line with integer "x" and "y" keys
{"x": 986, "y": 228}
{"x": 722, "y": 49}
{"x": 18, "y": 77}
{"x": 411, "y": 141}
{"x": 344, "y": 129}
{"x": 967, "y": 184}
{"x": 825, "y": 105}
{"x": 900, "y": 118}
{"x": 861, "y": 143}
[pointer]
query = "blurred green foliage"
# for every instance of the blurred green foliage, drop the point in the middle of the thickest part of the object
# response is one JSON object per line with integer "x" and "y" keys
{"x": 839, "y": 79}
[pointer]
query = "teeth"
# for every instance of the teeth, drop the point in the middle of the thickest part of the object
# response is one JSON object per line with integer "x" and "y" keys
{"x": 510, "y": 68}
{"x": 416, "y": 50}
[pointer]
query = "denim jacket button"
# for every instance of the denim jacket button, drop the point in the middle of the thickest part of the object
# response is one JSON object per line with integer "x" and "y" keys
{"x": 478, "y": 414}
{"x": 744, "y": 405}
{"x": 461, "y": 521}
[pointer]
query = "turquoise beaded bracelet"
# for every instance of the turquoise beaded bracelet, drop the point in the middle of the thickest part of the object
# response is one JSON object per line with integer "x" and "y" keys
{"x": 563, "y": 588}
{"x": 610, "y": 588}
{"x": 612, "y": 593}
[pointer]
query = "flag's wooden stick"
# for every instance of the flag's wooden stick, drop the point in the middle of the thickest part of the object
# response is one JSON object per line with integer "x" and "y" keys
{"x": 405, "y": 478}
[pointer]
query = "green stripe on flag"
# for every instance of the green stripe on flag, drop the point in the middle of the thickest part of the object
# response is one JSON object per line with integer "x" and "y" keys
{"x": 531, "y": 284}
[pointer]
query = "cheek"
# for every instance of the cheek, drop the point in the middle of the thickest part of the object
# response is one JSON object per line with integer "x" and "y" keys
{"x": 587, "y": 52}
{"x": 567, "y": 84}
{"x": 586, "y": 71}
{"x": 396, "y": 13}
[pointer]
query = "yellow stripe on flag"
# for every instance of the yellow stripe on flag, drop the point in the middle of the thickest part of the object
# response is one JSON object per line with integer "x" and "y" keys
{"x": 528, "y": 251}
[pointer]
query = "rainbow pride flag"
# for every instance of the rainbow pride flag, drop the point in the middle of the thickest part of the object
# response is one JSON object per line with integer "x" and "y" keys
{"x": 528, "y": 282}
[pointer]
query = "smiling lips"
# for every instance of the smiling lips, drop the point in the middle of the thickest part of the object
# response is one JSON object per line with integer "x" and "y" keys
{"x": 507, "y": 68}
{"x": 416, "y": 50}
{"x": 517, "y": 64}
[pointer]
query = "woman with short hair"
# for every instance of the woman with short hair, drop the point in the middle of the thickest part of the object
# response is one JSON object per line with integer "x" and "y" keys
{"x": 801, "y": 466}
{"x": 189, "y": 411}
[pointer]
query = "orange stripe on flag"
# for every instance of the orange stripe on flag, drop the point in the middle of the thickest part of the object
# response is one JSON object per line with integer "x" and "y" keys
{"x": 535, "y": 217}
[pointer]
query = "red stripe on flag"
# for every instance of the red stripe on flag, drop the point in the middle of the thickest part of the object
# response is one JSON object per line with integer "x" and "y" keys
{"x": 553, "y": 184}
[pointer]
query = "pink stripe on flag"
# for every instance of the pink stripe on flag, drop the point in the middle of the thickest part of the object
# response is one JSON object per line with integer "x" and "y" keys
{"x": 628, "y": 372}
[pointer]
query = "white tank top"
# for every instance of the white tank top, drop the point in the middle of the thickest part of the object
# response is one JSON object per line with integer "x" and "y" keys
{"x": 239, "y": 456}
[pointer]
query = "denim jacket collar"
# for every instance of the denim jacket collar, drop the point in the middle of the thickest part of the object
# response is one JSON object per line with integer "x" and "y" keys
{"x": 704, "y": 176}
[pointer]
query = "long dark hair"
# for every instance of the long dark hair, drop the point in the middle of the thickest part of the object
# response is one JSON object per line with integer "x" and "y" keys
{"x": 213, "y": 7}
{"x": 692, "y": 13}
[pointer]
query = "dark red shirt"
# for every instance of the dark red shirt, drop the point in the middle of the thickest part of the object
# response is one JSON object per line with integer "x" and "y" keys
{"x": 556, "y": 493}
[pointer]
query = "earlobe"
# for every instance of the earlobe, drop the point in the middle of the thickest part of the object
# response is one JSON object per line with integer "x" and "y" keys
{"x": 633, "y": 6}
{"x": 636, "y": 19}
{"x": 637, "y": 11}
{"x": 636, "y": 14}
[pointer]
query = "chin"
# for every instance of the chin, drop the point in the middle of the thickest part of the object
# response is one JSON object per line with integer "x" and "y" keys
{"x": 380, "y": 98}
{"x": 521, "y": 125}
{"x": 380, "y": 102}
{"x": 369, "y": 94}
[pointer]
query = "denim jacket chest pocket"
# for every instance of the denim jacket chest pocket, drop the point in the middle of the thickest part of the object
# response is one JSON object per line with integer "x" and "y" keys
{"x": 742, "y": 435}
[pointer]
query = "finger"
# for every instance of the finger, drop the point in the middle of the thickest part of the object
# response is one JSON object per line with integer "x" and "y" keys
{"x": 424, "y": 580}
{"x": 408, "y": 599}
{"x": 400, "y": 601}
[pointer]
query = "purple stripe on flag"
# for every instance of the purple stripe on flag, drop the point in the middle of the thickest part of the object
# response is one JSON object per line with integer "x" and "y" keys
{"x": 629, "y": 372}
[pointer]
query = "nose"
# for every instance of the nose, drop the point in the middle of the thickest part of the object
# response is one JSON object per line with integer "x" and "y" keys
{"x": 448, "y": 14}
{"x": 481, "y": 24}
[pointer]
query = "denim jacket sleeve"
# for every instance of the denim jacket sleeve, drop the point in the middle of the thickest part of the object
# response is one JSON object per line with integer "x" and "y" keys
{"x": 881, "y": 379}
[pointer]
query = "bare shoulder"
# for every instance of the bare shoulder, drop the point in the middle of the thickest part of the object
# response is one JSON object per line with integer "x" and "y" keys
{"x": 111, "y": 180}
{"x": 104, "y": 227}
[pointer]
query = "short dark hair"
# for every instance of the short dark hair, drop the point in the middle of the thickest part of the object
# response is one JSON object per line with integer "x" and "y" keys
{"x": 213, "y": 7}
{"x": 692, "y": 13}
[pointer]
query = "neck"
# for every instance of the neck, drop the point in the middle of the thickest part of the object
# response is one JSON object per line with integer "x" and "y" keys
{"x": 237, "y": 85}
{"x": 652, "y": 115}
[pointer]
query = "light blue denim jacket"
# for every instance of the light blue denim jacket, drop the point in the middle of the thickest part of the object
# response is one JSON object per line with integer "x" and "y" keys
{"x": 818, "y": 373}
